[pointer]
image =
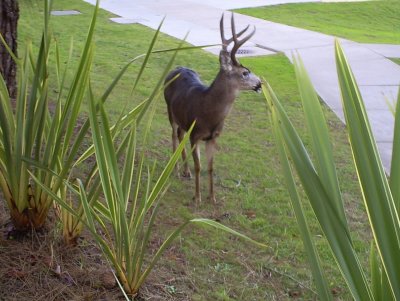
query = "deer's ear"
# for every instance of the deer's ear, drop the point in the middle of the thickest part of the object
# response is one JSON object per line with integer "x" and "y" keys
{"x": 225, "y": 60}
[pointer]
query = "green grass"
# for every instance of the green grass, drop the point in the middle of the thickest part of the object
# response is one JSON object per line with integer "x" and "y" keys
{"x": 366, "y": 22}
{"x": 252, "y": 198}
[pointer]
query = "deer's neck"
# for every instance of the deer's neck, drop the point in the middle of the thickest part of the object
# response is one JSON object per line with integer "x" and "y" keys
{"x": 222, "y": 92}
{"x": 220, "y": 97}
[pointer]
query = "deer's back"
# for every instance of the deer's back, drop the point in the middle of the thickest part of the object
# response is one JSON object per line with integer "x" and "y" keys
{"x": 185, "y": 87}
{"x": 184, "y": 96}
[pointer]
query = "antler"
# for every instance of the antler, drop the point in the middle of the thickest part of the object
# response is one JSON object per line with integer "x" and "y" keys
{"x": 237, "y": 44}
{"x": 226, "y": 42}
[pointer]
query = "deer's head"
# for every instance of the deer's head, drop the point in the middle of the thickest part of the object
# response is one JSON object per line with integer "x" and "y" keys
{"x": 245, "y": 79}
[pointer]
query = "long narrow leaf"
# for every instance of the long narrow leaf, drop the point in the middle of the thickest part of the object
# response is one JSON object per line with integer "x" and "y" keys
{"x": 319, "y": 278}
{"x": 378, "y": 199}
{"x": 319, "y": 134}
{"x": 331, "y": 223}
{"x": 100, "y": 154}
{"x": 395, "y": 164}
{"x": 125, "y": 121}
{"x": 161, "y": 182}
{"x": 161, "y": 80}
{"x": 174, "y": 234}
{"x": 149, "y": 52}
{"x": 5, "y": 104}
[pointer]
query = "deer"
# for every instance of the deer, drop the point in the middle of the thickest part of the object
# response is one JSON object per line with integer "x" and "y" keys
{"x": 189, "y": 100}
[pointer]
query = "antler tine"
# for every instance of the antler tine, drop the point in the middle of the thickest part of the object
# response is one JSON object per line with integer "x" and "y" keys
{"x": 226, "y": 42}
{"x": 237, "y": 43}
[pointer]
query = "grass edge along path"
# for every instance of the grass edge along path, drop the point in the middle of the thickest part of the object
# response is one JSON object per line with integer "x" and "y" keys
{"x": 364, "y": 22}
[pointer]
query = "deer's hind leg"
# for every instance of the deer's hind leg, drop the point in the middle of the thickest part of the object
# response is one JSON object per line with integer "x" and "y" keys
{"x": 210, "y": 149}
{"x": 175, "y": 142}
{"x": 197, "y": 168}
{"x": 186, "y": 171}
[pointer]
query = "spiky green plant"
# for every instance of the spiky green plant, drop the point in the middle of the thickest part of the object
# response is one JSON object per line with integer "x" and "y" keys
{"x": 35, "y": 138}
{"x": 118, "y": 206}
{"x": 32, "y": 132}
{"x": 72, "y": 224}
{"x": 320, "y": 183}
{"x": 126, "y": 209}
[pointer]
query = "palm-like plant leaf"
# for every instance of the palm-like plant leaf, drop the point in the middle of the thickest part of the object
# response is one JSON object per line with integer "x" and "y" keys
{"x": 314, "y": 260}
{"x": 378, "y": 199}
{"x": 320, "y": 183}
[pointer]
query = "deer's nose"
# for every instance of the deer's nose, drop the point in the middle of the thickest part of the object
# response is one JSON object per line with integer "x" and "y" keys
{"x": 257, "y": 87}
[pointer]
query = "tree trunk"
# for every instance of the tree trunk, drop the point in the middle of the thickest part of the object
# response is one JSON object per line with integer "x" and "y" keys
{"x": 9, "y": 14}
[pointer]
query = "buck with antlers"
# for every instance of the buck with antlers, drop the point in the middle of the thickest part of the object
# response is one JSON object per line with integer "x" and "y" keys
{"x": 189, "y": 100}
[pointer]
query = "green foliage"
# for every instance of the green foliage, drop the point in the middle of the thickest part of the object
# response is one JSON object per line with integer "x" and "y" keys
{"x": 396, "y": 60}
{"x": 253, "y": 197}
{"x": 128, "y": 209}
{"x": 41, "y": 135}
{"x": 33, "y": 134}
{"x": 365, "y": 22}
{"x": 119, "y": 202}
{"x": 319, "y": 180}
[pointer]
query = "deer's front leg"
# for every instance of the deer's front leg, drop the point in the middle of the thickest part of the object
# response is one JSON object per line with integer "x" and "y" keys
{"x": 186, "y": 171}
{"x": 175, "y": 143}
{"x": 210, "y": 149}
{"x": 197, "y": 167}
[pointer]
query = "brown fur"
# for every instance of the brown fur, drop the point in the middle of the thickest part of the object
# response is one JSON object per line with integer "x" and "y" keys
{"x": 189, "y": 100}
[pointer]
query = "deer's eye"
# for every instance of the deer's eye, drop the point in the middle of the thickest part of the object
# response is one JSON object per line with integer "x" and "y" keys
{"x": 245, "y": 74}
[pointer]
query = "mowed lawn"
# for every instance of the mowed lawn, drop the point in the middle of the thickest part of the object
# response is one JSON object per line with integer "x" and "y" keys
{"x": 204, "y": 264}
{"x": 365, "y": 22}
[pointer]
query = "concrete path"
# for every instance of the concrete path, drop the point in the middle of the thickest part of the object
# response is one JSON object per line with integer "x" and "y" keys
{"x": 377, "y": 76}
